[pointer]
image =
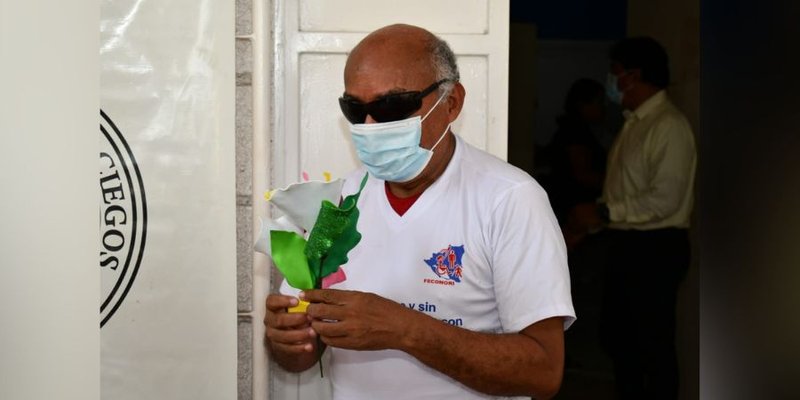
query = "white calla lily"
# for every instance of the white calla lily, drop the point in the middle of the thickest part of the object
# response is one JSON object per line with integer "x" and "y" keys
{"x": 262, "y": 244}
{"x": 300, "y": 202}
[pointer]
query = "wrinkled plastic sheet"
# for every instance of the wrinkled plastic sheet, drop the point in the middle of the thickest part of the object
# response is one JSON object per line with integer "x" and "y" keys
{"x": 167, "y": 200}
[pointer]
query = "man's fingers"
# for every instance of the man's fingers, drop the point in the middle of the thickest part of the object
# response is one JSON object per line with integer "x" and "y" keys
{"x": 293, "y": 348}
{"x": 290, "y": 336}
{"x": 329, "y": 329}
{"x": 283, "y": 320}
{"x": 277, "y": 302}
{"x": 319, "y": 311}
{"x": 327, "y": 296}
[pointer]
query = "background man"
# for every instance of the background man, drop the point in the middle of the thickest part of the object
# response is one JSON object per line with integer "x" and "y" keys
{"x": 647, "y": 203}
{"x": 396, "y": 327}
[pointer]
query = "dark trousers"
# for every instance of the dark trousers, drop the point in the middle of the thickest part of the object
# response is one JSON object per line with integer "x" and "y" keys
{"x": 643, "y": 271}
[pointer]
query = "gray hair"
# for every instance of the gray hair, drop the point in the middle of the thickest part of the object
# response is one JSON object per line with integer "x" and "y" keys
{"x": 444, "y": 63}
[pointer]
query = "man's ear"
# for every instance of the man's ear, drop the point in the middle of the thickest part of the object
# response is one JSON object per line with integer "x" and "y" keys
{"x": 455, "y": 101}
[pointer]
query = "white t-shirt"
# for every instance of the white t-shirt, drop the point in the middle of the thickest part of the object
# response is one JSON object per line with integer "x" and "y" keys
{"x": 480, "y": 249}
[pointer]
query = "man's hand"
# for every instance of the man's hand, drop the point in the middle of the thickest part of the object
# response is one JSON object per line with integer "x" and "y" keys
{"x": 289, "y": 336}
{"x": 529, "y": 362}
{"x": 586, "y": 217}
{"x": 582, "y": 220}
{"x": 357, "y": 320}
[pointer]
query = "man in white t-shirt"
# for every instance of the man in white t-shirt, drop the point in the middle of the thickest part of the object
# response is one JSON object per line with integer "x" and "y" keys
{"x": 459, "y": 287}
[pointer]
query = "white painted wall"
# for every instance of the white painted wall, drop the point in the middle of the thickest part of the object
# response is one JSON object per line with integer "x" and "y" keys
{"x": 312, "y": 41}
{"x": 49, "y": 285}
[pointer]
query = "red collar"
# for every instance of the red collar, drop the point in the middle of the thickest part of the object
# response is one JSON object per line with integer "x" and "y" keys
{"x": 400, "y": 204}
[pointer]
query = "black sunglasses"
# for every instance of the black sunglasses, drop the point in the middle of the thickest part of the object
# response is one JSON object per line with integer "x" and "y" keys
{"x": 391, "y": 107}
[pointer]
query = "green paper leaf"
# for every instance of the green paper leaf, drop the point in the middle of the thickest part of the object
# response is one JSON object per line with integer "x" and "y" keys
{"x": 337, "y": 254}
{"x": 333, "y": 236}
{"x": 288, "y": 254}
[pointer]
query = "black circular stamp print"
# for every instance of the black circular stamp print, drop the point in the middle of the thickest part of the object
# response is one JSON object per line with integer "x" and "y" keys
{"x": 123, "y": 218}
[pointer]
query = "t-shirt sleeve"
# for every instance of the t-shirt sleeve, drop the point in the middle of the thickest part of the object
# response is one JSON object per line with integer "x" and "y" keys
{"x": 529, "y": 259}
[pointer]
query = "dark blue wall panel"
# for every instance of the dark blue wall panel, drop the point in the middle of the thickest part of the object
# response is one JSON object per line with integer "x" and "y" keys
{"x": 573, "y": 19}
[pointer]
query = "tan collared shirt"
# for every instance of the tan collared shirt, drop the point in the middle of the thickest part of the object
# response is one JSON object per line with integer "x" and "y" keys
{"x": 651, "y": 166}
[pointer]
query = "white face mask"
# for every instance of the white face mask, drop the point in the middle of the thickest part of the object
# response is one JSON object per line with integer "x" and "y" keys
{"x": 390, "y": 150}
{"x": 612, "y": 88}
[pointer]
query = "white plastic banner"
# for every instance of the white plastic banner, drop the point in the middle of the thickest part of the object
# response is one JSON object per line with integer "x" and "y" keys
{"x": 167, "y": 200}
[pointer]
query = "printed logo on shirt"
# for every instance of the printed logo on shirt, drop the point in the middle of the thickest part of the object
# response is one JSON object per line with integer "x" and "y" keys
{"x": 446, "y": 264}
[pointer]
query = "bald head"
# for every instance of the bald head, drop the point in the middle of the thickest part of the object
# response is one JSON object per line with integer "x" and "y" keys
{"x": 405, "y": 56}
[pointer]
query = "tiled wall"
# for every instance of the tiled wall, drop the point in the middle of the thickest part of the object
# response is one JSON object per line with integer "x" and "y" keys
{"x": 244, "y": 194}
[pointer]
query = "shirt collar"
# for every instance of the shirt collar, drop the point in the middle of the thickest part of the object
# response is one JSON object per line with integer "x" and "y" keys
{"x": 649, "y": 105}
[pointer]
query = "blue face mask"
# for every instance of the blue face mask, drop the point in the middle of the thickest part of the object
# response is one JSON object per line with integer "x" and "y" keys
{"x": 390, "y": 150}
{"x": 612, "y": 91}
